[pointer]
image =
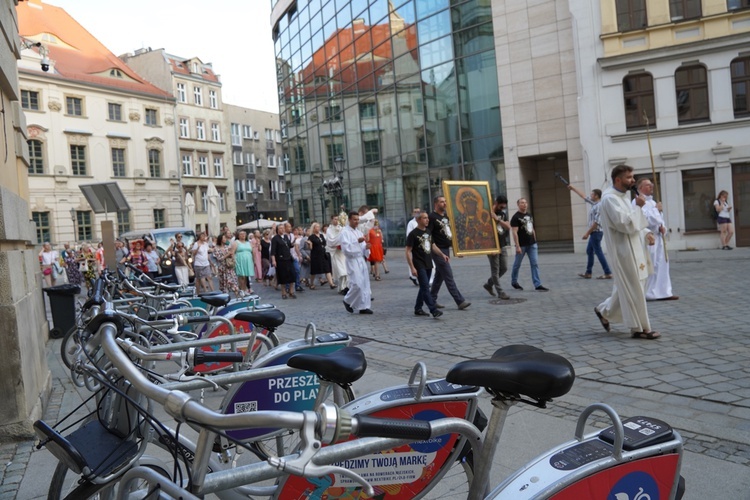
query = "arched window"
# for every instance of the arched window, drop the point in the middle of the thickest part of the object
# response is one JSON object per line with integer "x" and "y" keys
{"x": 36, "y": 157}
{"x": 691, "y": 88}
{"x": 638, "y": 92}
{"x": 740, "y": 86}
{"x": 631, "y": 14}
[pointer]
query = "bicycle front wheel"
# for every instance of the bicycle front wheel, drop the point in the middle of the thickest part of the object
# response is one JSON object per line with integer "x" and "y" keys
{"x": 67, "y": 485}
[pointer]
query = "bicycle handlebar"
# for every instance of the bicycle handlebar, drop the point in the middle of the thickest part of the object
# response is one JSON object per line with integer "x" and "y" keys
{"x": 365, "y": 426}
{"x": 200, "y": 357}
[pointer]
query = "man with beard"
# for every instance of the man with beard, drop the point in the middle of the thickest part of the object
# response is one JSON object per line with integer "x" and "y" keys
{"x": 625, "y": 229}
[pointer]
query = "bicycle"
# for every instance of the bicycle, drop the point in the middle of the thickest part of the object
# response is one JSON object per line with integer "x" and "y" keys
{"x": 607, "y": 460}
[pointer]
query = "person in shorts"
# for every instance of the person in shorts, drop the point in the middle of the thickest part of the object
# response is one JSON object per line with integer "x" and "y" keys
{"x": 201, "y": 265}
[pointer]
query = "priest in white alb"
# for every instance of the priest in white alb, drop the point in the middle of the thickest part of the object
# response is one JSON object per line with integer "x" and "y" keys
{"x": 626, "y": 234}
{"x": 356, "y": 249}
{"x": 658, "y": 285}
{"x": 333, "y": 247}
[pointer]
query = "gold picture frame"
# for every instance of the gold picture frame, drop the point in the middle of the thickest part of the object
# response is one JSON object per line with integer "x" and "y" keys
{"x": 469, "y": 206}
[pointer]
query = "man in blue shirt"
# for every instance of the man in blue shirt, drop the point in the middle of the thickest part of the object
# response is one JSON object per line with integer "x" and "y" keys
{"x": 593, "y": 234}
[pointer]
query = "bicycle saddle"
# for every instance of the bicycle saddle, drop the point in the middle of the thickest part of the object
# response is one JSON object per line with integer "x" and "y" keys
{"x": 344, "y": 366}
{"x": 218, "y": 300}
{"x": 267, "y": 318}
{"x": 517, "y": 370}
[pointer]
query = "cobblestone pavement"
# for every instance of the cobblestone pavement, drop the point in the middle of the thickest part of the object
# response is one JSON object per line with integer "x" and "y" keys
{"x": 696, "y": 377}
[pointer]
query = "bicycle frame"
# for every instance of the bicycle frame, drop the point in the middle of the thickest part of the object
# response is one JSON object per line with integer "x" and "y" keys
{"x": 408, "y": 471}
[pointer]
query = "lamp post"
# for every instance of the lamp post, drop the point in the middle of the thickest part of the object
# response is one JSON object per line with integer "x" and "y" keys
{"x": 73, "y": 214}
{"x": 337, "y": 183}
{"x": 252, "y": 208}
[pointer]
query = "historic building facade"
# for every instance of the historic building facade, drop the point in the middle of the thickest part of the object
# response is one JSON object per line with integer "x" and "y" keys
{"x": 91, "y": 119}
{"x": 679, "y": 72}
{"x": 259, "y": 166}
{"x": 204, "y": 153}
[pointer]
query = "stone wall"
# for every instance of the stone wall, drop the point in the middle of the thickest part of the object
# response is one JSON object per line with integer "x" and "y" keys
{"x": 24, "y": 375}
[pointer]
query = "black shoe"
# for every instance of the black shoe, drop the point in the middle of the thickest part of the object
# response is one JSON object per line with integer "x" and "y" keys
{"x": 503, "y": 295}
{"x": 489, "y": 289}
{"x": 541, "y": 288}
{"x": 365, "y": 311}
{"x": 516, "y": 286}
{"x": 300, "y": 289}
{"x": 439, "y": 306}
{"x": 344, "y": 291}
{"x": 414, "y": 280}
{"x": 420, "y": 312}
{"x": 437, "y": 313}
{"x": 348, "y": 307}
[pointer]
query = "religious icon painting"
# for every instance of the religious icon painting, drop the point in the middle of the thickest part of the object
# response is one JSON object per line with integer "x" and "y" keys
{"x": 470, "y": 213}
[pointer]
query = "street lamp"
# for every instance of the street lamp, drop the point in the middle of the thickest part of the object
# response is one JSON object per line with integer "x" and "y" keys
{"x": 335, "y": 185}
{"x": 73, "y": 214}
{"x": 252, "y": 208}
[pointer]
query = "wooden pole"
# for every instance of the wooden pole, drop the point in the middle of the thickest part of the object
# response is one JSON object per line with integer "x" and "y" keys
{"x": 656, "y": 182}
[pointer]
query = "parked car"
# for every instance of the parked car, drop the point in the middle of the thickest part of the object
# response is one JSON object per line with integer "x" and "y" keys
{"x": 162, "y": 238}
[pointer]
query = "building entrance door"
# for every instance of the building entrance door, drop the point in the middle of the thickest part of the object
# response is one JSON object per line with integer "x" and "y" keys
{"x": 741, "y": 203}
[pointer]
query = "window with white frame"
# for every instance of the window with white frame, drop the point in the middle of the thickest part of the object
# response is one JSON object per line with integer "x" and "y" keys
{"x": 160, "y": 219}
{"x": 154, "y": 162}
{"x": 213, "y": 99}
{"x": 200, "y": 130}
{"x": 218, "y": 166}
{"x": 282, "y": 186}
{"x": 181, "y": 92}
{"x": 249, "y": 163}
{"x": 36, "y": 156}
{"x": 278, "y": 136}
{"x": 43, "y": 229}
{"x": 203, "y": 166}
{"x": 85, "y": 225}
{"x": 222, "y": 200}
{"x": 235, "y": 133}
{"x": 286, "y": 163}
{"x": 78, "y": 159}
{"x": 123, "y": 222}
{"x": 114, "y": 111}
{"x": 236, "y": 157}
{"x": 198, "y": 96}
{"x": 151, "y": 117}
{"x": 215, "y": 133}
{"x": 118, "y": 162}
{"x": 239, "y": 189}
{"x": 30, "y": 100}
{"x": 187, "y": 165}
{"x": 271, "y": 161}
{"x": 273, "y": 190}
{"x": 204, "y": 200}
{"x": 184, "y": 128}
{"x": 251, "y": 184}
{"x": 247, "y": 132}
{"x": 73, "y": 106}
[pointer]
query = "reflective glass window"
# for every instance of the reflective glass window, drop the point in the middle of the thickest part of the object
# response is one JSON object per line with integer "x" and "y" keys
{"x": 434, "y": 27}
{"x": 436, "y": 52}
{"x": 427, "y": 7}
{"x": 378, "y": 10}
{"x": 478, "y": 96}
{"x": 471, "y": 13}
{"x": 475, "y": 39}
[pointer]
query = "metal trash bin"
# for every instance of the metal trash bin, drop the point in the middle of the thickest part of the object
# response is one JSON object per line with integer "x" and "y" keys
{"x": 63, "y": 304}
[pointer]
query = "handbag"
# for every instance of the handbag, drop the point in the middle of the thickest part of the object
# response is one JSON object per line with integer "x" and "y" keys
{"x": 229, "y": 261}
{"x": 191, "y": 273}
{"x": 47, "y": 271}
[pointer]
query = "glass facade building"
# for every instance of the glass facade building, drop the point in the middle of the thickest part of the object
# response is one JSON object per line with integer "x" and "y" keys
{"x": 382, "y": 100}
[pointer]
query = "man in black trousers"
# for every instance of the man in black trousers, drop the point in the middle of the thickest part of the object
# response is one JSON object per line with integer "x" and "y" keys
{"x": 440, "y": 229}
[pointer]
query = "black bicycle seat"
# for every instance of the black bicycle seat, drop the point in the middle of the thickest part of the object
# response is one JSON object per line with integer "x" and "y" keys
{"x": 266, "y": 318}
{"x": 517, "y": 371}
{"x": 219, "y": 300}
{"x": 344, "y": 366}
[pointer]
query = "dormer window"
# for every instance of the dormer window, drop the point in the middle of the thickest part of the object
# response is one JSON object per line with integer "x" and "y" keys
{"x": 195, "y": 68}
{"x": 115, "y": 73}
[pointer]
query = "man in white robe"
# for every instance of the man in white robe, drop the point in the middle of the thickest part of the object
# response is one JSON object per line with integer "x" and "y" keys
{"x": 658, "y": 285}
{"x": 356, "y": 249}
{"x": 625, "y": 229}
{"x": 338, "y": 261}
